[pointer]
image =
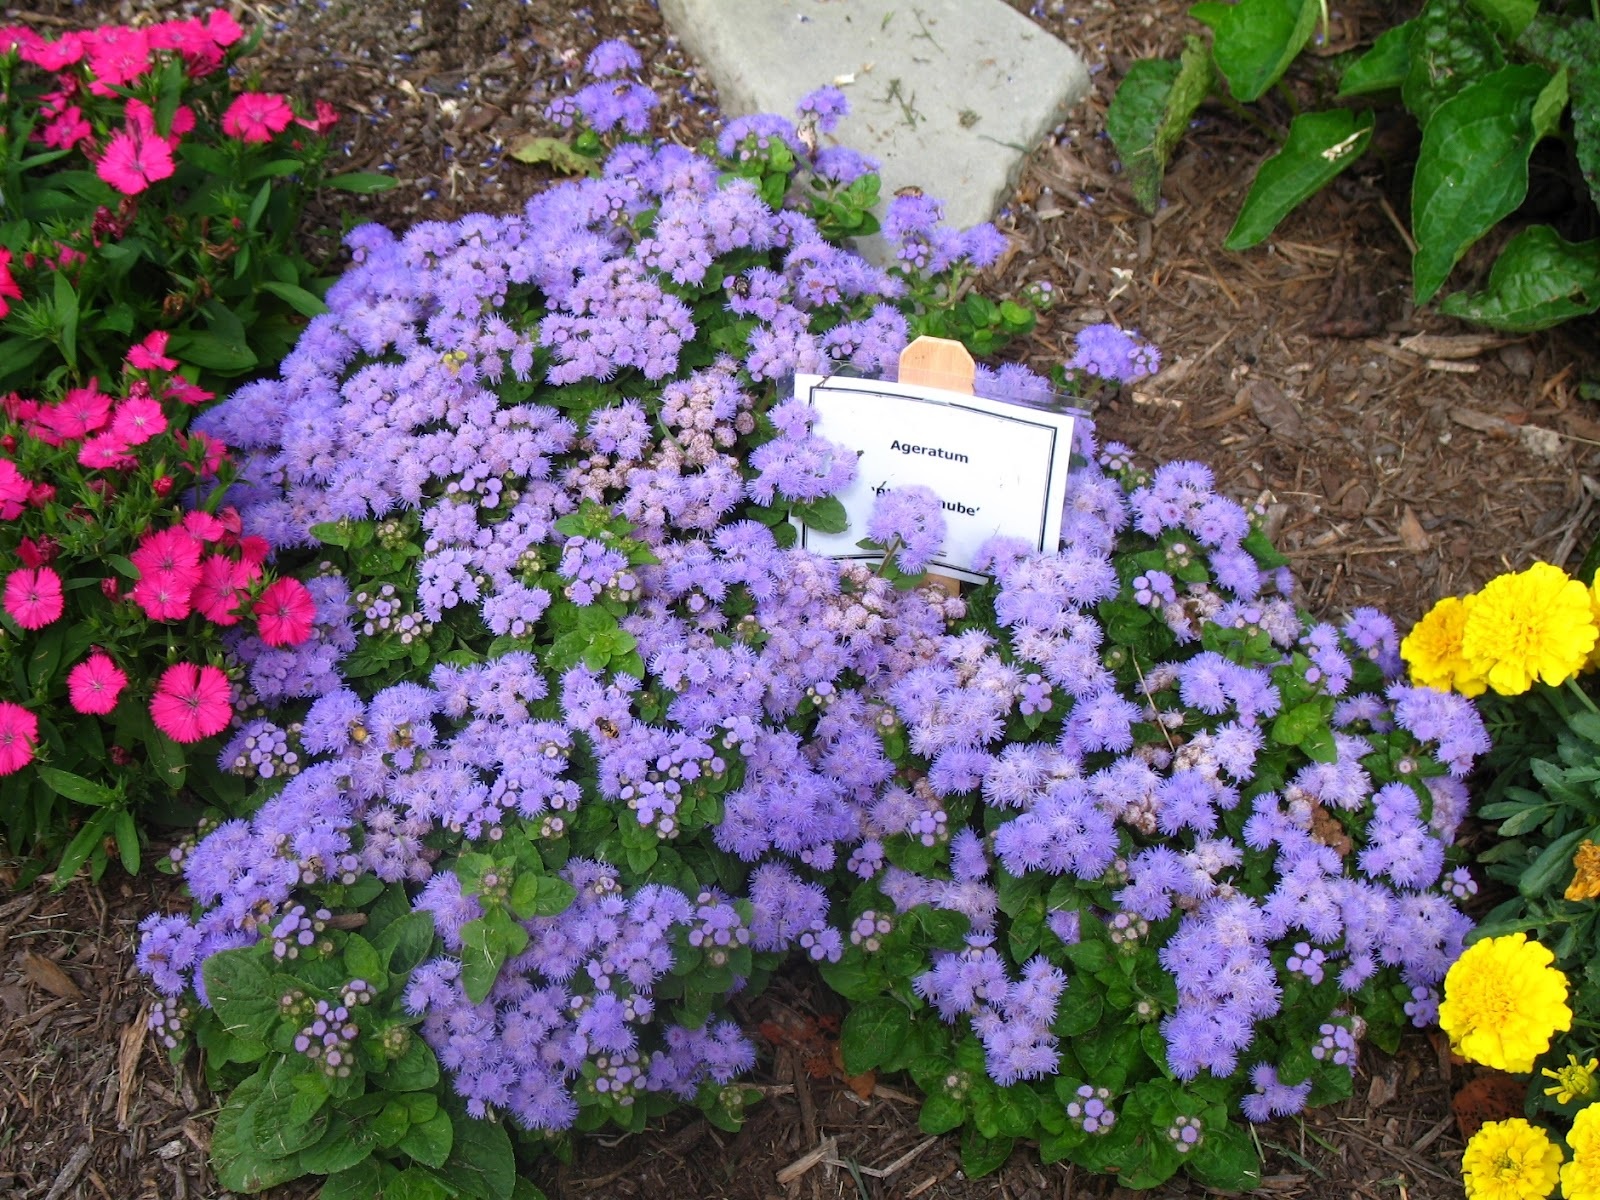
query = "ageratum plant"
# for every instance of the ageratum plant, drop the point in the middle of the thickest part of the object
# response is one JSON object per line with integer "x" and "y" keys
{"x": 1108, "y": 852}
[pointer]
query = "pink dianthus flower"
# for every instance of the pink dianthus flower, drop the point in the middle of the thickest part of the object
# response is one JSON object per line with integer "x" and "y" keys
{"x": 257, "y": 116}
{"x": 94, "y": 685}
{"x": 285, "y": 613}
{"x": 33, "y": 596}
{"x": 191, "y": 702}
{"x": 134, "y": 159}
{"x": 19, "y": 734}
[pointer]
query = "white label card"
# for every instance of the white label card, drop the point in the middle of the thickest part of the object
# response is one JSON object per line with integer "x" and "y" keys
{"x": 997, "y": 468}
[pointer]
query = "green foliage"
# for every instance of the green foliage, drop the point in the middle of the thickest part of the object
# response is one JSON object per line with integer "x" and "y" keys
{"x": 1486, "y": 80}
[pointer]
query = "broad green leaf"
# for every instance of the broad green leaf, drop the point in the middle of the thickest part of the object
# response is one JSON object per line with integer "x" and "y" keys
{"x": 415, "y": 1070}
{"x": 1256, "y": 40}
{"x": 360, "y": 1182}
{"x": 1382, "y": 68}
{"x": 1450, "y": 48}
{"x": 429, "y": 1142}
{"x": 1551, "y": 104}
{"x": 1510, "y": 17}
{"x": 406, "y": 941}
{"x": 415, "y": 1183}
{"x": 205, "y": 349}
{"x": 941, "y": 1114}
{"x": 1539, "y": 280}
{"x": 238, "y": 1167}
{"x": 344, "y": 1146}
{"x": 481, "y": 958}
{"x": 873, "y": 1034}
{"x": 1151, "y": 111}
{"x": 242, "y": 993}
{"x": 1320, "y": 145}
{"x": 1472, "y": 169}
{"x": 481, "y": 1164}
{"x": 826, "y": 515}
{"x": 981, "y": 1155}
{"x": 541, "y": 895}
{"x": 1552, "y": 866}
{"x": 297, "y": 298}
{"x": 361, "y": 961}
{"x": 278, "y": 1124}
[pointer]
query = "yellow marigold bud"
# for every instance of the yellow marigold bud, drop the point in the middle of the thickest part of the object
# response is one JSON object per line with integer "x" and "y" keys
{"x": 1533, "y": 624}
{"x": 1575, "y": 1081}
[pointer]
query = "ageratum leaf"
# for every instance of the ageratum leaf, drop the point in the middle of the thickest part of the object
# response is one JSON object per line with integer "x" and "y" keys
{"x": 1382, "y": 68}
{"x": 1258, "y": 39}
{"x": 1539, "y": 280}
{"x": 1320, "y": 145}
{"x": 873, "y": 1034}
{"x": 559, "y": 154}
{"x": 1150, "y": 113}
{"x": 361, "y": 182}
{"x": 1472, "y": 169}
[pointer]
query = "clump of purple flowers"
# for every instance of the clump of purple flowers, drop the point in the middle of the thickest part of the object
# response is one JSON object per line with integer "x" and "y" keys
{"x": 1124, "y": 804}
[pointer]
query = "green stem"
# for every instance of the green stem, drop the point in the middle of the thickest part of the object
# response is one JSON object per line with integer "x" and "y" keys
{"x": 1247, "y": 116}
{"x": 1572, "y": 684}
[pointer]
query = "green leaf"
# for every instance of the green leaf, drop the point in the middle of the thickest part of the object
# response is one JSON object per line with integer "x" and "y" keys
{"x": 360, "y": 1182}
{"x": 1256, "y": 40}
{"x": 826, "y": 515}
{"x": 206, "y": 349}
{"x": 81, "y": 846}
{"x": 1320, "y": 145}
{"x": 1539, "y": 280}
{"x": 558, "y": 153}
{"x": 344, "y": 1145}
{"x": 415, "y": 1070}
{"x": 1510, "y": 17}
{"x": 1472, "y": 169}
{"x": 1550, "y": 105}
{"x": 1151, "y": 111}
{"x": 297, "y": 298}
{"x": 361, "y": 961}
{"x": 127, "y": 835}
{"x": 415, "y": 1183}
{"x": 361, "y": 182}
{"x": 430, "y": 1141}
{"x": 1552, "y": 865}
{"x": 941, "y": 1114}
{"x": 276, "y": 1124}
{"x": 541, "y": 895}
{"x": 1226, "y": 1159}
{"x": 238, "y": 1167}
{"x": 406, "y": 941}
{"x": 481, "y": 957}
{"x": 1382, "y": 68}
{"x": 242, "y": 993}
{"x": 66, "y": 315}
{"x": 873, "y": 1034}
{"x": 76, "y": 787}
{"x": 481, "y": 1163}
{"x": 981, "y": 1155}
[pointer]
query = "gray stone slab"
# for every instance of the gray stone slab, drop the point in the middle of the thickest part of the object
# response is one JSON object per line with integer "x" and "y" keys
{"x": 949, "y": 95}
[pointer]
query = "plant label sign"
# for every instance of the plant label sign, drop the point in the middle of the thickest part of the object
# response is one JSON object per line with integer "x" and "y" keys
{"x": 997, "y": 468}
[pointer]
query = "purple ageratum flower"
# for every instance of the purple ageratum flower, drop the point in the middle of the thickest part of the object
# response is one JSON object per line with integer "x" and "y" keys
{"x": 609, "y": 104}
{"x": 1109, "y": 353}
{"x": 908, "y": 523}
{"x": 824, "y": 108}
{"x": 1449, "y": 721}
{"x": 842, "y": 166}
{"x": 1272, "y": 1097}
{"x": 800, "y": 469}
{"x": 612, "y": 58}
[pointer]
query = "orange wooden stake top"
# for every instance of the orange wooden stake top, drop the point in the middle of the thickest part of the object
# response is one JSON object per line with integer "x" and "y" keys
{"x": 940, "y": 363}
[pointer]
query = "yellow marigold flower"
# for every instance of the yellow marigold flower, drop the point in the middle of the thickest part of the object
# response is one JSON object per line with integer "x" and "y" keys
{"x": 1533, "y": 624}
{"x": 1575, "y": 1081}
{"x": 1594, "y": 613}
{"x": 1580, "y": 1178}
{"x": 1503, "y": 1001}
{"x": 1585, "y": 883}
{"x": 1433, "y": 649}
{"x": 1510, "y": 1160}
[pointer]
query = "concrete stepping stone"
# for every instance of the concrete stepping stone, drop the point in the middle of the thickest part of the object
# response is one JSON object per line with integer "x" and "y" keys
{"x": 949, "y": 95}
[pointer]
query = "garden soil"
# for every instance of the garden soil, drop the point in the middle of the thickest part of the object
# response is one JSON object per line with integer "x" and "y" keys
{"x": 1400, "y": 456}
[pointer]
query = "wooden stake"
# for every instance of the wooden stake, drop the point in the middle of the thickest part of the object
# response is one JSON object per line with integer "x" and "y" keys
{"x": 940, "y": 363}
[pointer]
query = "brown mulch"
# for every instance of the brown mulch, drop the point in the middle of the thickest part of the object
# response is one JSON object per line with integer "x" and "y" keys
{"x": 1401, "y": 456}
